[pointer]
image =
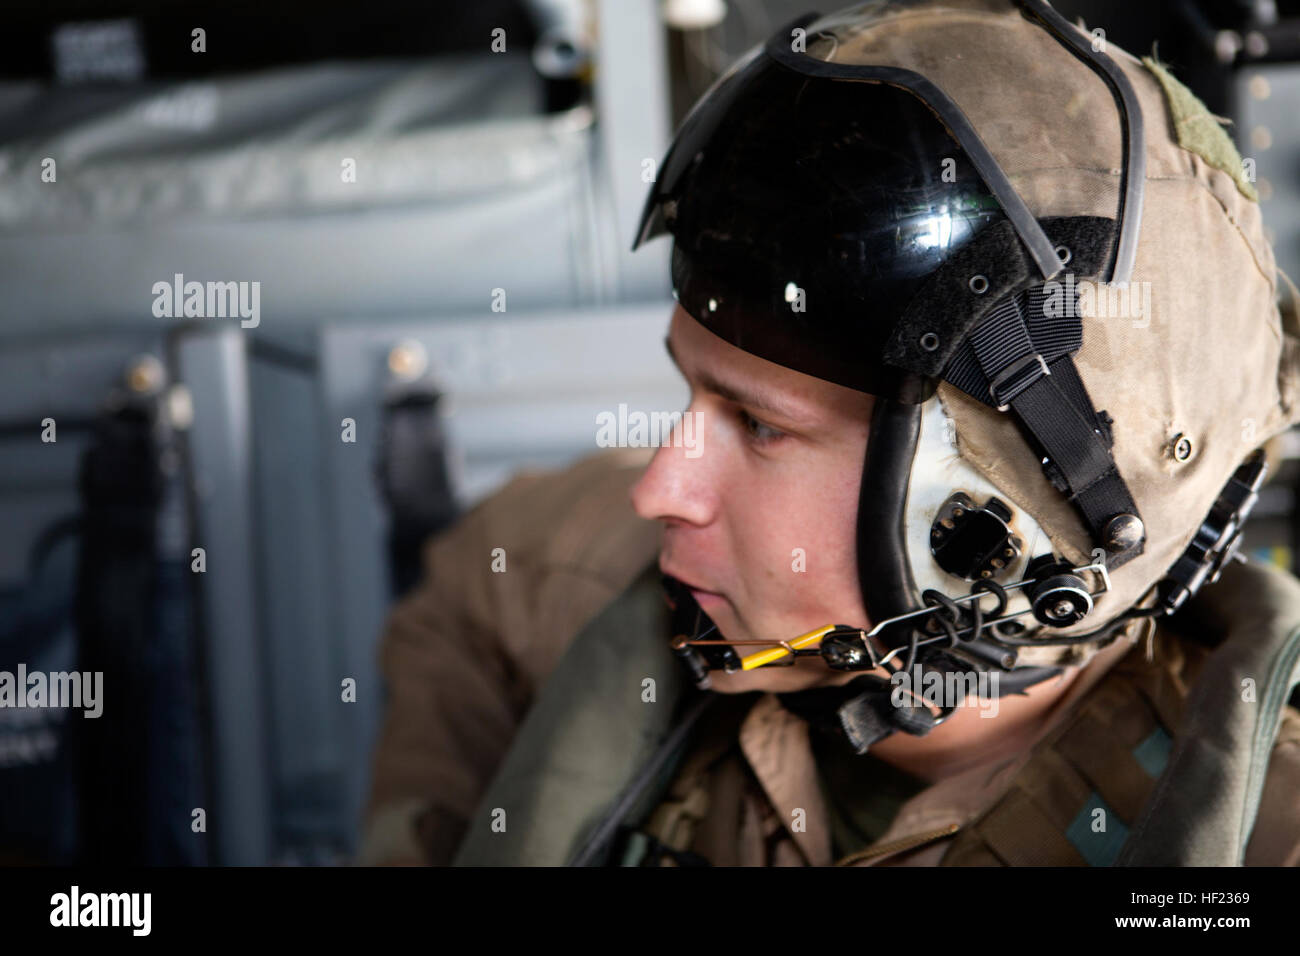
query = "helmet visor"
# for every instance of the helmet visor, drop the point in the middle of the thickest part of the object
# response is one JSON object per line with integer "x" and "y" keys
{"x": 807, "y": 210}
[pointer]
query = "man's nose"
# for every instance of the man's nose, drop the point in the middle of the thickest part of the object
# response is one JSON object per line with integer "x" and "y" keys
{"x": 677, "y": 484}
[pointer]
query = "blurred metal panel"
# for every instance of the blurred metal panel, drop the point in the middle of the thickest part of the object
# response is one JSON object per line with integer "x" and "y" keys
{"x": 632, "y": 103}
{"x": 355, "y": 553}
{"x": 292, "y": 542}
{"x": 522, "y": 390}
{"x": 211, "y": 361}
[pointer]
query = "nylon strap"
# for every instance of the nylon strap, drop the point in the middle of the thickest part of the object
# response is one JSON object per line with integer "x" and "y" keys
{"x": 1020, "y": 358}
{"x": 862, "y": 711}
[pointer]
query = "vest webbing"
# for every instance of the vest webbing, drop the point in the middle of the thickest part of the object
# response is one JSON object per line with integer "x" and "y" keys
{"x": 670, "y": 829}
{"x": 1086, "y": 783}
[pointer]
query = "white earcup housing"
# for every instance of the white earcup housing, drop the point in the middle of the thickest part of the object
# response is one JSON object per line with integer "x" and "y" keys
{"x": 938, "y": 471}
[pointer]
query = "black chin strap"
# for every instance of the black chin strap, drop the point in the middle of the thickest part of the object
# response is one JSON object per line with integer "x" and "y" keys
{"x": 861, "y": 712}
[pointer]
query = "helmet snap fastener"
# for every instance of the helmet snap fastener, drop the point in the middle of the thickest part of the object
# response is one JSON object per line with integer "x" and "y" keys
{"x": 979, "y": 284}
{"x": 1123, "y": 532}
{"x": 929, "y": 341}
{"x": 1182, "y": 447}
{"x": 1059, "y": 599}
{"x": 1064, "y": 254}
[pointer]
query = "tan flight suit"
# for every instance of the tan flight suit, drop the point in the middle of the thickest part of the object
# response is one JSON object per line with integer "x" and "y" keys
{"x": 467, "y": 651}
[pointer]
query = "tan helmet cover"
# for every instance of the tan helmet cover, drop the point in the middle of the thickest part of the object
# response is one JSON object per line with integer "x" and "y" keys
{"x": 1199, "y": 349}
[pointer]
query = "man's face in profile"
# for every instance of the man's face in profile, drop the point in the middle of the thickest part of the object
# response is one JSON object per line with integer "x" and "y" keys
{"x": 770, "y": 488}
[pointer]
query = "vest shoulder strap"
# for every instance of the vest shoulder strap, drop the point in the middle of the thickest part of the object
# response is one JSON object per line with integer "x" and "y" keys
{"x": 599, "y": 719}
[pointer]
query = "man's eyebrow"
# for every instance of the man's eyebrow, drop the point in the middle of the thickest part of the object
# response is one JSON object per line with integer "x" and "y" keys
{"x": 738, "y": 393}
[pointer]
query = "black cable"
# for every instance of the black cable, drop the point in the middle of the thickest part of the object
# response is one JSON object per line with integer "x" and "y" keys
{"x": 1102, "y": 631}
{"x": 997, "y": 590}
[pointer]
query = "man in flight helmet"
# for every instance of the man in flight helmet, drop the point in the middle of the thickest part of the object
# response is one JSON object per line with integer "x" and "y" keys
{"x": 983, "y": 337}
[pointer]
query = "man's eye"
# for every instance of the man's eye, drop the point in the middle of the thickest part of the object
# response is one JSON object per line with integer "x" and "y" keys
{"x": 759, "y": 432}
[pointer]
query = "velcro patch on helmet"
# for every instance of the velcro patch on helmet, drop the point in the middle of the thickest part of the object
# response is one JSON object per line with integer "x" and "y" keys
{"x": 1198, "y": 130}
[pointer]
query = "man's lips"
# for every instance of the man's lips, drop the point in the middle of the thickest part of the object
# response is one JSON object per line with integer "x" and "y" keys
{"x": 702, "y": 595}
